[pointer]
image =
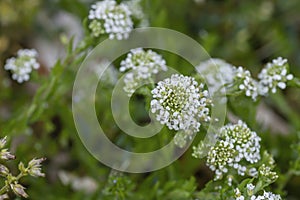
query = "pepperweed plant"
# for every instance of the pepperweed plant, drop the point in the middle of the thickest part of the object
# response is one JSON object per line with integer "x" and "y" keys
{"x": 235, "y": 157}
{"x": 12, "y": 182}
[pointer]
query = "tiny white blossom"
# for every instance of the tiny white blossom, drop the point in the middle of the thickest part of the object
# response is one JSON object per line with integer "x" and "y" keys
{"x": 250, "y": 188}
{"x": 273, "y": 75}
{"x": 180, "y": 103}
{"x": 22, "y": 65}
{"x": 248, "y": 84}
{"x": 143, "y": 64}
{"x": 238, "y": 194}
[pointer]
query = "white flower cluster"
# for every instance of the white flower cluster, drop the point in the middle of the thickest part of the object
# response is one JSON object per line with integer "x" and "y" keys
{"x": 273, "y": 75}
{"x": 137, "y": 12}
{"x": 267, "y": 174}
{"x": 180, "y": 103}
{"x": 143, "y": 64}
{"x": 22, "y": 65}
{"x": 248, "y": 84}
{"x": 266, "y": 196}
{"x": 108, "y": 17}
{"x": 216, "y": 72}
{"x": 236, "y": 147}
{"x": 250, "y": 188}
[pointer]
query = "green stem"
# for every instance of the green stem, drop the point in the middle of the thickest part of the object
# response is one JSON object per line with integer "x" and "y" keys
{"x": 3, "y": 189}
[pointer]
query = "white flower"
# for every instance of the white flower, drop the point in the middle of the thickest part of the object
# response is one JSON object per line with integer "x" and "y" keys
{"x": 250, "y": 188}
{"x": 217, "y": 73}
{"x": 267, "y": 174}
{"x": 248, "y": 84}
{"x": 273, "y": 75}
{"x": 22, "y": 65}
{"x": 143, "y": 64}
{"x": 108, "y": 17}
{"x": 220, "y": 157}
{"x": 180, "y": 103}
{"x": 236, "y": 145}
{"x": 266, "y": 196}
{"x": 238, "y": 194}
{"x": 137, "y": 12}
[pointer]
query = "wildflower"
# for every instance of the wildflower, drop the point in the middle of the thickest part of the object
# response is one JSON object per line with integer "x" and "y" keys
{"x": 236, "y": 145}
{"x": 4, "y": 171}
{"x": 238, "y": 194}
{"x": 180, "y": 103}
{"x": 267, "y": 174}
{"x": 220, "y": 157}
{"x": 200, "y": 150}
{"x": 248, "y": 84}
{"x": 137, "y": 12}
{"x": 217, "y": 73}
{"x": 250, "y": 188}
{"x": 266, "y": 196}
{"x": 108, "y": 17}
{"x": 3, "y": 142}
{"x": 4, "y": 196}
{"x": 143, "y": 64}
{"x": 6, "y": 155}
{"x": 34, "y": 167}
{"x": 246, "y": 142}
{"x": 19, "y": 190}
{"x": 273, "y": 75}
{"x": 22, "y": 65}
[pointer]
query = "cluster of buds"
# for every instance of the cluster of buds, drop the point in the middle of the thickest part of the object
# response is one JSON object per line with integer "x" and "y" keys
{"x": 22, "y": 65}
{"x": 12, "y": 182}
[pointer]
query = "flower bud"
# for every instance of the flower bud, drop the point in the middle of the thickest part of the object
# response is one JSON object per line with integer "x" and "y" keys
{"x": 3, "y": 170}
{"x": 34, "y": 167}
{"x": 6, "y": 155}
{"x": 19, "y": 190}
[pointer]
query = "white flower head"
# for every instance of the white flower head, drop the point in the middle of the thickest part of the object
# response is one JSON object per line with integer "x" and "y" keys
{"x": 180, "y": 103}
{"x": 248, "y": 84}
{"x": 143, "y": 64}
{"x": 109, "y": 17}
{"x": 274, "y": 75}
{"x": 137, "y": 12}
{"x": 217, "y": 72}
{"x": 22, "y": 65}
{"x": 266, "y": 196}
{"x": 236, "y": 148}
